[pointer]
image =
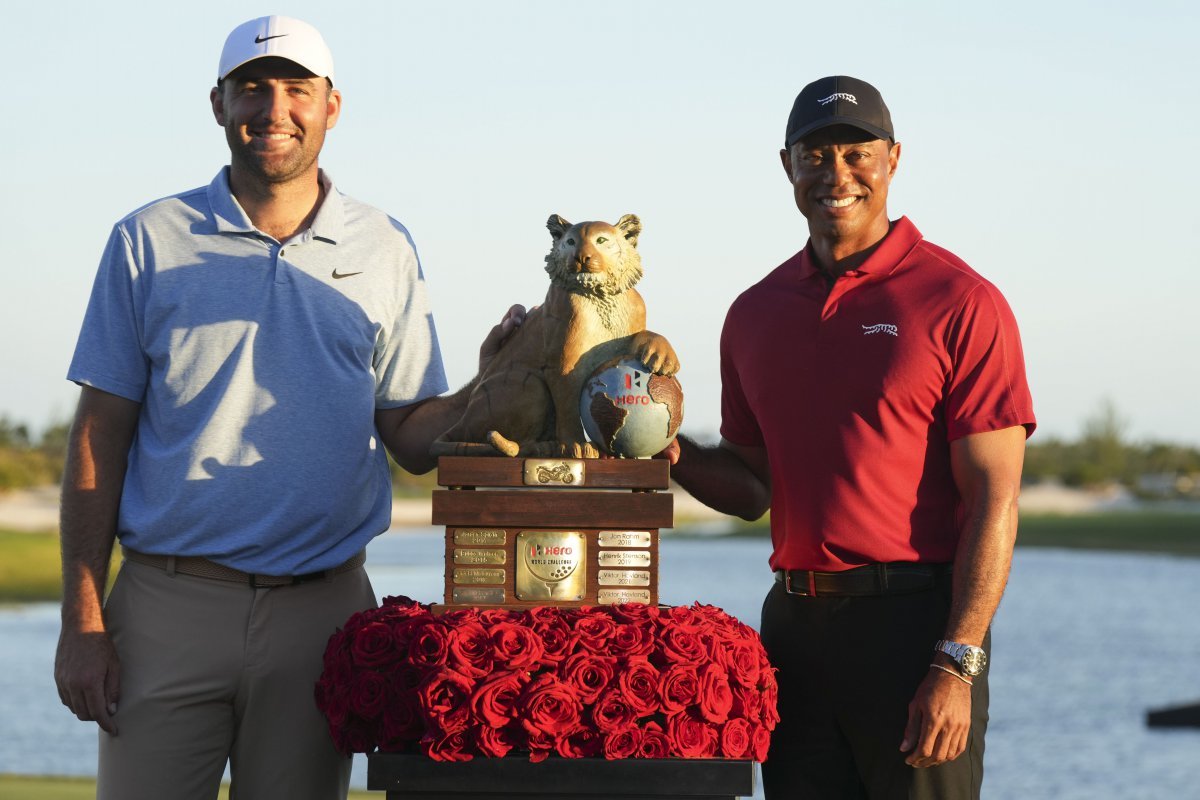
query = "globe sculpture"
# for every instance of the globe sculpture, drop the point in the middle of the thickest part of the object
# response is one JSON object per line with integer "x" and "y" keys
{"x": 628, "y": 411}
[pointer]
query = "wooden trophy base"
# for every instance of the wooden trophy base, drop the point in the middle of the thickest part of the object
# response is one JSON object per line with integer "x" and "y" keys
{"x": 524, "y": 532}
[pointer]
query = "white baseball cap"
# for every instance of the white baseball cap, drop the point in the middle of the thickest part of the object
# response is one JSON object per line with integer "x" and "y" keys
{"x": 281, "y": 37}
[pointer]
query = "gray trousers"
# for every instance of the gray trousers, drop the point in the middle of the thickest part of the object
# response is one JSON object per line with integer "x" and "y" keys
{"x": 214, "y": 672}
{"x": 848, "y": 667}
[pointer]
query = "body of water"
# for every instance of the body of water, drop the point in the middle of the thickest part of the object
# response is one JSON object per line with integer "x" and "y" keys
{"x": 1084, "y": 643}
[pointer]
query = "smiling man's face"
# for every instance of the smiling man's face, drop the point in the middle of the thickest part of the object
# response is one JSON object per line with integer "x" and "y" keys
{"x": 275, "y": 114}
{"x": 840, "y": 176}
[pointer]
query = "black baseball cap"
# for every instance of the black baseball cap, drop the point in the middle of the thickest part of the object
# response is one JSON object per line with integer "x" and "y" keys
{"x": 838, "y": 100}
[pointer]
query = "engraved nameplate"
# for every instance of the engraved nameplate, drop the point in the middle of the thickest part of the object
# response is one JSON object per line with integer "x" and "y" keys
{"x": 608, "y": 597}
{"x": 479, "y": 537}
{"x": 478, "y": 595}
{"x": 624, "y": 538}
{"x": 465, "y": 556}
{"x": 623, "y": 577}
{"x": 624, "y": 558}
{"x": 469, "y": 575}
{"x": 551, "y": 565}
{"x": 553, "y": 472}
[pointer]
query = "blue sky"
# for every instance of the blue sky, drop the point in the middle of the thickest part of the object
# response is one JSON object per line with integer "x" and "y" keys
{"x": 1050, "y": 145}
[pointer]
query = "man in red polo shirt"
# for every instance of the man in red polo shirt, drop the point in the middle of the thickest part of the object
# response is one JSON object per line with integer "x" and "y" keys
{"x": 874, "y": 398}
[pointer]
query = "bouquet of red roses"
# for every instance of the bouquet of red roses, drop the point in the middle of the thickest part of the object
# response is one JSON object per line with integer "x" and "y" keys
{"x": 625, "y": 681}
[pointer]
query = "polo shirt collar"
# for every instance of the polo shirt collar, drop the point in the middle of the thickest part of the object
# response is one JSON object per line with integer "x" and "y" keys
{"x": 895, "y": 247}
{"x": 230, "y": 217}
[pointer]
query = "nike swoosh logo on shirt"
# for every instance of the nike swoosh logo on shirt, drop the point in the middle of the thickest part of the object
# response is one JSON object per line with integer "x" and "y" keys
{"x": 339, "y": 276}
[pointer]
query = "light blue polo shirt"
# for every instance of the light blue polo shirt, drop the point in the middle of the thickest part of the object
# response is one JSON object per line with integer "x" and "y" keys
{"x": 259, "y": 366}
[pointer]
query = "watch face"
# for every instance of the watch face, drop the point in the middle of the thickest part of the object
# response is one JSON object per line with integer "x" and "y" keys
{"x": 973, "y": 661}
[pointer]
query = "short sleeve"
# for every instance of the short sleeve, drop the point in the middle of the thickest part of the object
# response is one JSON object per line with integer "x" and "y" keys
{"x": 109, "y": 354}
{"x": 987, "y": 388}
{"x": 408, "y": 359}
{"x": 738, "y": 423}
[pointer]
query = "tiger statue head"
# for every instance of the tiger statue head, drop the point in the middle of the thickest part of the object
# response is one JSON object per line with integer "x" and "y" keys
{"x": 594, "y": 258}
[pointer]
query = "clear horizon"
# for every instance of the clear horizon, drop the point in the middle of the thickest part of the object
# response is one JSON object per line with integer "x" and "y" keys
{"x": 1023, "y": 127}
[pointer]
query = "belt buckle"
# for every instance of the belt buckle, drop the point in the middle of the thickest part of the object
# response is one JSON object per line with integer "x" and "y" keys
{"x": 812, "y": 584}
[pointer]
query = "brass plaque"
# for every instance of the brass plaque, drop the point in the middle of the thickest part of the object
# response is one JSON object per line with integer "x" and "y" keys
{"x": 475, "y": 536}
{"x": 470, "y": 575}
{"x": 623, "y": 577}
{"x": 624, "y": 558}
{"x": 624, "y": 538}
{"x": 492, "y": 556}
{"x": 551, "y": 565}
{"x": 609, "y": 597}
{"x": 490, "y": 596}
{"x": 553, "y": 472}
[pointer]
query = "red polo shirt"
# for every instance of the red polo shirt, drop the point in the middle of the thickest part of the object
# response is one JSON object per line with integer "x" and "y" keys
{"x": 857, "y": 392}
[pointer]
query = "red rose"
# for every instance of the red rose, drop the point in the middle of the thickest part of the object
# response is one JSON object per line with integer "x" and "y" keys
{"x": 558, "y": 640}
{"x": 741, "y": 659}
{"x": 589, "y": 674}
{"x": 515, "y": 646}
{"x": 494, "y": 701}
{"x": 445, "y": 698}
{"x": 761, "y": 743}
{"x": 621, "y": 743}
{"x": 401, "y": 723}
{"x": 770, "y": 702}
{"x": 736, "y": 738}
{"x": 684, "y": 618}
{"x": 632, "y": 639}
{"x": 691, "y": 737}
{"x": 373, "y": 645}
{"x": 495, "y": 616}
{"x": 470, "y": 650}
{"x": 679, "y": 687}
{"x": 583, "y": 743}
{"x": 549, "y": 707}
{"x": 395, "y": 606}
{"x": 639, "y": 686}
{"x": 653, "y": 743}
{"x": 448, "y": 747}
{"x": 429, "y": 645}
{"x": 635, "y": 613}
{"x": 680, "y": 646}
{"x": 494, "y": 742}
{"x": 368, "y": 694}
{"x": 594, "y": 629}
{"x": 540, "y": 745}
{"x": 354, "y": 738}
{"x": 612, "y": 712}
{"x": 746, "y": 703}
{"x": 715, "y": 697}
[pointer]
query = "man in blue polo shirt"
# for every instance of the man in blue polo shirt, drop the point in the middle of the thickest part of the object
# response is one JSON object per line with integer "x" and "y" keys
{"x": 249, "y": 349}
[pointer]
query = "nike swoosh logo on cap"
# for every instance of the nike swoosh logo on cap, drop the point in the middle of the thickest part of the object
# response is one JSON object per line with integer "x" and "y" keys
{"x": 261, "y": 39}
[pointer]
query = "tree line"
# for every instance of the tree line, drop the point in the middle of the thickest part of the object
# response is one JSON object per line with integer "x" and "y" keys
{"x": 1101, "y": 455}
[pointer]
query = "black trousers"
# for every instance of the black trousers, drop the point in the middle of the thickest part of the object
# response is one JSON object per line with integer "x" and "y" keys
{"x": 848, "y": 668}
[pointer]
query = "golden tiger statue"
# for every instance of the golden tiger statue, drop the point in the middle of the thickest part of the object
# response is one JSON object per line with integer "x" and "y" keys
{"x": 526, "y": 401}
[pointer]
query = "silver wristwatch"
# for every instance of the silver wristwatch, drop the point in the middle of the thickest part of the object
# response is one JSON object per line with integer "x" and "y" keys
{"x": 970, "y": 659}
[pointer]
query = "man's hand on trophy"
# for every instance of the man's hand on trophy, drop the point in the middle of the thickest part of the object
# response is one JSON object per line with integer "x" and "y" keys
{"x": 656, "y": 353}
{"x": 497, "y": 336}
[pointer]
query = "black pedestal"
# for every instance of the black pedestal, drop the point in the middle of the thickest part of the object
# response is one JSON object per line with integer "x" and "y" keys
{"x": 415, "y": 777}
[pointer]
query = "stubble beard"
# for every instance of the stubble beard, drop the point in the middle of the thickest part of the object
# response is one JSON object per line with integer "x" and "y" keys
{"x": 268, "y": 169}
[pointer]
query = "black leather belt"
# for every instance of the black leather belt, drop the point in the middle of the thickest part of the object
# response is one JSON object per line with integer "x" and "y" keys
{"x": 899, "y": 577}
{"x": 203, "y": 568}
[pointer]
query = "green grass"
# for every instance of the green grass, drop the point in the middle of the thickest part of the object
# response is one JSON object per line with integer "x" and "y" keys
{"x": 31, "y": 567}
{"x": 1141, "y": 531}
{"x": 26, "y": 787}
{"x": 1138, "y": 531}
